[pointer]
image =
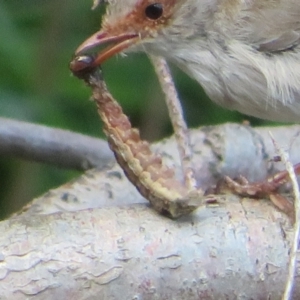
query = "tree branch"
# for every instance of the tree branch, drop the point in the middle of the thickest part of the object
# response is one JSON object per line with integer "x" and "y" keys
{"x": 239, "y": 248}
{"x": 60, "y": 247}
{"x": 58, "y": 147}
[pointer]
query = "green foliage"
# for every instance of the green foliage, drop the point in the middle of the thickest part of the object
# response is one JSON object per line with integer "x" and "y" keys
{"x": 37, "y": 42}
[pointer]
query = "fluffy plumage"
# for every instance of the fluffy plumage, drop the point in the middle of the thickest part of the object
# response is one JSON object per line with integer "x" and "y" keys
{"x": 244, "y": 53}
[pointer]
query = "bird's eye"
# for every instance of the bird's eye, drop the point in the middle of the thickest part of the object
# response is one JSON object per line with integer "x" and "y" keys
{"x": 154, "y": 11}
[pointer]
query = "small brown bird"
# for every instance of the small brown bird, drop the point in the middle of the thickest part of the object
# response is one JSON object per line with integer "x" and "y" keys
{"x": 244, "y": 53}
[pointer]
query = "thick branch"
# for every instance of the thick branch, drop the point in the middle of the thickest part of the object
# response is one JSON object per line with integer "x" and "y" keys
{"x": 239, "y": 248}
{"x": 52, "y": 146}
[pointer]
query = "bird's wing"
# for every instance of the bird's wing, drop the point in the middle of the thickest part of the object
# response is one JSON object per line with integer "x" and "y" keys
{"x": 270, "y": 25}
{"x": 285, "y": 41}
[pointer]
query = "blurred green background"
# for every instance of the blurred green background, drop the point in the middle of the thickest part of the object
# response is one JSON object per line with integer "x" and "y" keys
{"x": 37, "y": 40}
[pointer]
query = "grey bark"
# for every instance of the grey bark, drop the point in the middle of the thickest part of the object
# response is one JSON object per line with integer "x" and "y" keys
{"x": 97, "y": 238}
{"x": 238, "y": 250}
{"x": 58, "y": 147}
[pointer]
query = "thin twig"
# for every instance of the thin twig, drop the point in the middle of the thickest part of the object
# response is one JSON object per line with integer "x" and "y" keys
{"x": 288, "y": 293}
{"x": 58, "y": 147}
{"x": 177, "y": 120}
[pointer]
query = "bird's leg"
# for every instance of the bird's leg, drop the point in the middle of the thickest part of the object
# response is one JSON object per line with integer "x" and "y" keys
{"x": 145, "y": 169}
{"x": 177, "y": 119}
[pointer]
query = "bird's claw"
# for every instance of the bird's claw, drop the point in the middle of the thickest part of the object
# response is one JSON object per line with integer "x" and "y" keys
{"x": 267, "y": 188}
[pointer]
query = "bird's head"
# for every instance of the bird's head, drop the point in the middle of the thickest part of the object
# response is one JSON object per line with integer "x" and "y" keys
{"x": 142, "y": 24}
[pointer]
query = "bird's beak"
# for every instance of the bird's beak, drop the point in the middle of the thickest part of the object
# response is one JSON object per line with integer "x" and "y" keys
{"x": 116, "y": 44}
